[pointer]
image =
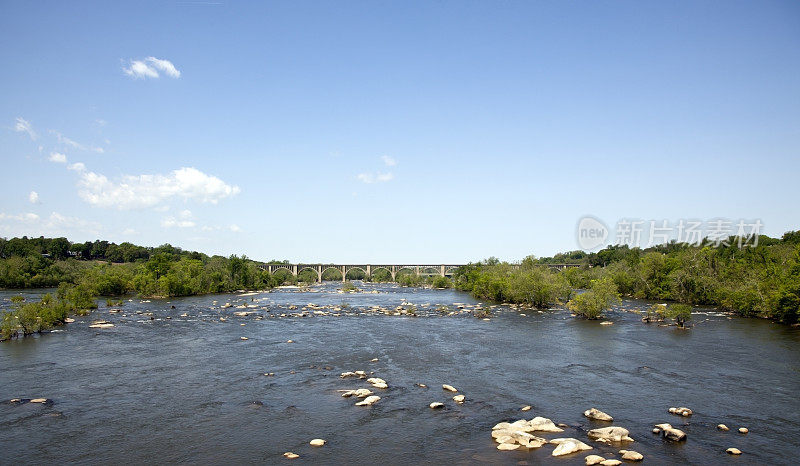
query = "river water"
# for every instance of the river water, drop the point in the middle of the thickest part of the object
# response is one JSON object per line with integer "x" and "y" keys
{"x": 167, "y": 388}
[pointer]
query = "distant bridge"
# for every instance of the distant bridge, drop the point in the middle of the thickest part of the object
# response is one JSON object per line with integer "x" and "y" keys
{"x": 443, "y": 270}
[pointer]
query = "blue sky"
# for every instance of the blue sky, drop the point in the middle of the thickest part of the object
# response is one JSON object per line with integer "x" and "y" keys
{"x": 394, "y": 131}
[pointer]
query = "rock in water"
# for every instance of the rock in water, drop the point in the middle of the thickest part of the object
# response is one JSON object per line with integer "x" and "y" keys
{"x": 449, "y": 388}
{"x": 39, "y": 400}
{"x": 610, "y": 462}
{"x": 526, "y": 408}
{"x": 368, "y": 401}
{"x": 565, "y": 446}
{"x": 733, "y": 451}
{"x": 669, "y": 432}
{"x": 594, "y": 459}
{"x": 507, "y": 446}
{"x": 317, "y": 442}
{"x": 722, "y": 427}
{"x": 291, "y": 455}
{"x": 610, "y": 434}
{"x": 436, "y": 405}
{"x": 597, "y": 415}
{"x": 743, "y": 430}
{"x": 458, "y": 398}
{"x": 631, "y": 455}
{"x": 682, "y": 411}
{"x": 542, "y": 424}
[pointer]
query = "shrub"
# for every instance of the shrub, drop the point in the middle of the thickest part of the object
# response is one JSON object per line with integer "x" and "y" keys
{"x": 680, "y": 313}
{"x": 601, "y": 296}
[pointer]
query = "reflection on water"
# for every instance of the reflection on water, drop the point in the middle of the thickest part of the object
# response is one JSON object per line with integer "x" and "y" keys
{"x": 180, "y": 385}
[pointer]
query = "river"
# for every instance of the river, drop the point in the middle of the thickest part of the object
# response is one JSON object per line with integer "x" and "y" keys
{"x": 182, "y": 386}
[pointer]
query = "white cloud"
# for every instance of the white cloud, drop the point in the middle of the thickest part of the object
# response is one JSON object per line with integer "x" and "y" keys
{"x": 77, "y": 166}
{"x": 170, "y": 222}
{"x": 57, "y": 157}
{"x": 166, "y": 66}
{"x": 139, "y": 70}
{"x": 26, "y": 217}
{"x": 149, "y": 68}
{"x": 186, "y": 214}
{"x": 235, "y": 228}
{"x": 379, "y": 177}
{"x": 24, "y": 126}
{"x": 33, "y": 197}
{"x": 76, "y": 145}
{"x": 129, "y": 232}
{"x": 389, "y": 161}
{"x": 140, "y": 191}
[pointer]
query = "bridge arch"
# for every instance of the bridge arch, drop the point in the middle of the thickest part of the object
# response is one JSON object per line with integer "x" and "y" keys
{"x": 363, "y": 270}
{"x": 325, "y": 268}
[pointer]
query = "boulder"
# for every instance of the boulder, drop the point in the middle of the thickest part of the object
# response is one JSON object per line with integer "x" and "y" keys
{"x": 39, "y": 400}
{"x": 542, "y": 424}
{"x": 368, "y": 401}
{"x": 566, "y": 446}
{"x": 610, "y": 462}
{"x": 101, "y": 324}
{"x": 631, "y": 455}
{"x": 377, "y": 383}
{"x": 669, "y": 432}
{"x": 597, "y": 415}
{"x": 507, "y": 446}
{"x": 610, "y": 434}
{"x": 501, "y": 426}
{"x": 743, "y": 430}
{"x": 291, "y": 455}
{"x": 682, "y": 411}
{"x": 317, "y": 442}
{"x": 733, "y": 451}
{"x": 594, "y": 459}
{"x": 458, "y": 398}
{"x": 436, "y": 405}
{"x": 243, "y": 338}
{"x": 449, "y": 388}
{"x": 722, "y": 427}
{"x": 525, "y": 408}
{"x": 360, "y": 393}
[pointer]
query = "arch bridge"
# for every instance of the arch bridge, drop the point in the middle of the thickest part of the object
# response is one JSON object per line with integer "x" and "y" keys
{"x": 443, "y": 270}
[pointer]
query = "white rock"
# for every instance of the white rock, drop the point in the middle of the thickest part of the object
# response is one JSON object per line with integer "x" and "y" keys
{"x": 458, "y": 398}
{"x": 631, "y": 455}
{"x": 542, "y": 424}
{"x": 368, "y": 401}
{"x": 610, "y": 434}
{"x": 733, "y": 451}
{"x": 526, "y": 408}
{"x": 669, "y": 432}
{"x": 291, "y": 455}
{"x": 610, "y": 462}
{"x": 39, "y": 400}
{"x": 722, "y": 427}
{"x": 743, "y": 430}
{"x": 449, "y": 388}
{"x": 317, "y": 442}
{"x": 598, "y": 415}
{"x": 594, "y": 459}
{"x": 436, "y": 405}
{"x": 565, "y": 446}
{"x": 507, "y": 446}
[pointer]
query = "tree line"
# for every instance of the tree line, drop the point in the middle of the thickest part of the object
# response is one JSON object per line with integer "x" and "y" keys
{"x": 758, "y": 281}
